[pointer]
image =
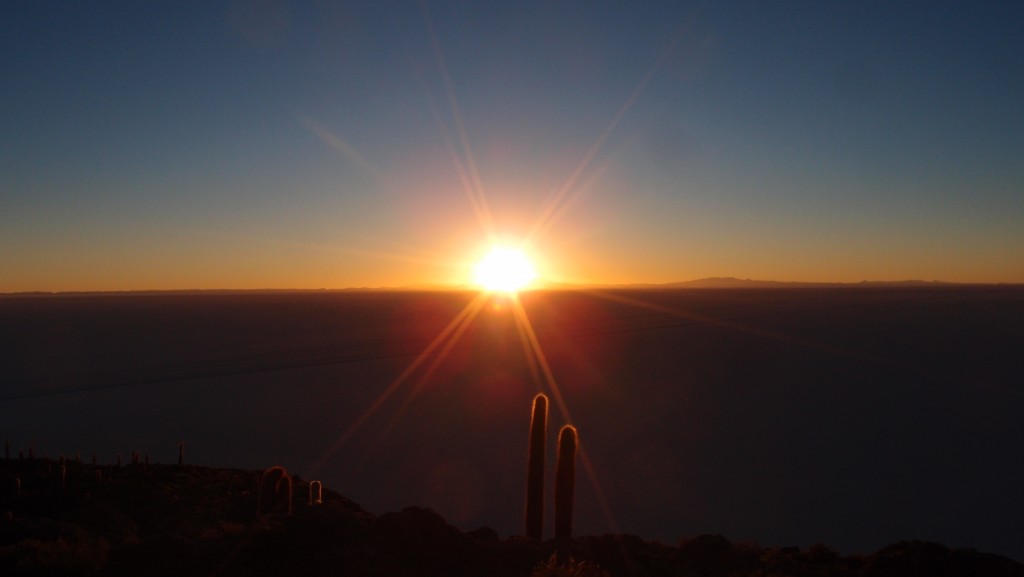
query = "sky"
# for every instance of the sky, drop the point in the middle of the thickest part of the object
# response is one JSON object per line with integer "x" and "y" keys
{"x": 238, "y": 145}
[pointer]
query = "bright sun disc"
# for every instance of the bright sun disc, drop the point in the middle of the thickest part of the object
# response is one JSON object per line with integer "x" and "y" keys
{"x": 504, "y": 269}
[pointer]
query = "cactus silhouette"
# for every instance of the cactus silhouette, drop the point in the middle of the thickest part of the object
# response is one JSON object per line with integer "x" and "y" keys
{"x": 316, "y": 493}
{"x": 181, "y": 453}
{"x": 535, "y": 469}
{"x": 565, "y": 482}
{"x": 275, "y": 492}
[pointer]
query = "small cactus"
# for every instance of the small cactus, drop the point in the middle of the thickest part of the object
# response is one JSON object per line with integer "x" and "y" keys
{"x": 565, "y": 482}
{"x": 535, "y": 469}
{"x": 7, "y": 449}
{"x": 181, "y": 453}
{"x": 275, "y": 492}
{"x": 316, "y": 493}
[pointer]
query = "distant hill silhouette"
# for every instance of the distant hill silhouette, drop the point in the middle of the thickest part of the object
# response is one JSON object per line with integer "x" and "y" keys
{"x": 733, "y": 282}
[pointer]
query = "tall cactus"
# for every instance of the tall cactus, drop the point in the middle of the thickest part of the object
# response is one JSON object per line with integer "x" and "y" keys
{"x": 565, "y": 482}
{"x": 535, "y": 469}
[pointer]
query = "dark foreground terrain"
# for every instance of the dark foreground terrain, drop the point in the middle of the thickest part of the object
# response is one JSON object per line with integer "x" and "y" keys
{"x": 140, "y": 519}
{"x": 850, "y": 416}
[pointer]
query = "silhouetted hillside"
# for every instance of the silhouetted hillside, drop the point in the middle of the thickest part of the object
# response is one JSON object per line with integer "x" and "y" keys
{"x": 172, "y": 520}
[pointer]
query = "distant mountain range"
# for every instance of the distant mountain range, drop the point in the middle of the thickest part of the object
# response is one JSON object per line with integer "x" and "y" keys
{"x": 733, "y": 282}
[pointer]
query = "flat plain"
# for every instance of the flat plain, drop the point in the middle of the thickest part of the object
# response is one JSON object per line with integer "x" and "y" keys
{"x": 854, "y": 417}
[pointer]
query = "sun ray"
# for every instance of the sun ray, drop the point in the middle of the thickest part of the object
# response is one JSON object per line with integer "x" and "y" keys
{"x": 551, "y": 211}
{"x": 473, "y": 185}
{"x": 531, "y": 358}
{"x": 478, "y": 204}
{"x": 531, "y": 339}
{"x": 463, "y": 321}
{"x": 337, "y": 143}
{"x": 599, "y": 494}
{"x": 468, "y": 311}
{"x": 532, "y": 348}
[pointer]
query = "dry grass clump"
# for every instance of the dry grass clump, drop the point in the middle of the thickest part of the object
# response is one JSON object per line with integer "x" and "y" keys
{"x": 571, "y": 568}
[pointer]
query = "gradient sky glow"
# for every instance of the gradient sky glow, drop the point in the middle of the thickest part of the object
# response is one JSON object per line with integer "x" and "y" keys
{"x": 334, "y": 144}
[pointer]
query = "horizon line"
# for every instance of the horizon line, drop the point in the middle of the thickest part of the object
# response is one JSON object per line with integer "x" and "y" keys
{"x": 701, "y": 283}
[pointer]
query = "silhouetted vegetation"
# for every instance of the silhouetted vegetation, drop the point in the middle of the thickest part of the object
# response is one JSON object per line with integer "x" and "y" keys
{"x": 171, "y": 520}
{"x": 275, "y": 492}
{"x": 535, "y": 468}
{"x": 565, "y": 482}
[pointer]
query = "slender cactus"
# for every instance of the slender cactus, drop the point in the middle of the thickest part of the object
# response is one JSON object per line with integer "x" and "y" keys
{"x": 316, "y": 493}
{"x": 181, "y": 453}
{"x": 535, "y": 469}
{"x": 565, "y": 482}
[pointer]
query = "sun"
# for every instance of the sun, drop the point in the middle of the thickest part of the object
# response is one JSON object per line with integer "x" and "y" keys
{"x": 504, "y": 269}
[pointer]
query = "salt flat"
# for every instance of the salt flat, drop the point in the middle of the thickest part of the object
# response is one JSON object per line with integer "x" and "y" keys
{"x": 853, "y": 417}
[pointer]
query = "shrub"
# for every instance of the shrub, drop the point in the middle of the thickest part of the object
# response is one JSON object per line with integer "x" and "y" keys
{"x": 571, "y": 568}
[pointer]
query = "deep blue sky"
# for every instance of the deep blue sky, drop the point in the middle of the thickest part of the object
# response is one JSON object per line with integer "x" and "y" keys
{"x": 319, "y": 144}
